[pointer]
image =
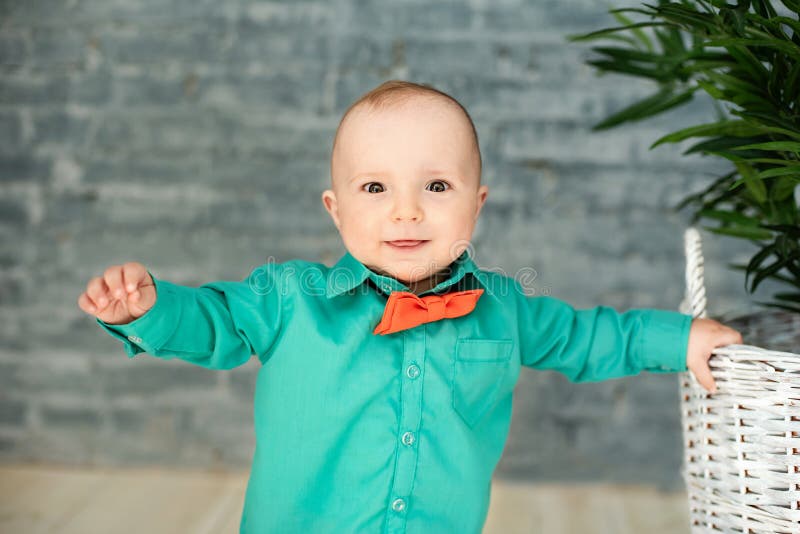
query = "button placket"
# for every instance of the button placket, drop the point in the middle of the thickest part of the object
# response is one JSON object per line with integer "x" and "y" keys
{"x": 410, "y": 414}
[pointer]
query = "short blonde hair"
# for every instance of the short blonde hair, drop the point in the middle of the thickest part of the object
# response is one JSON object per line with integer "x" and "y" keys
{"x": 393, "y": 92}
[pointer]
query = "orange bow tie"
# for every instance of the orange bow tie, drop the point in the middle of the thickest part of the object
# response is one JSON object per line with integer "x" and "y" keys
{"x": 406, "y": 310}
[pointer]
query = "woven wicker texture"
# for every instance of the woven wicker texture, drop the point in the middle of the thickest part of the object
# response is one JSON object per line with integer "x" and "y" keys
{"x": 741, "y": 461}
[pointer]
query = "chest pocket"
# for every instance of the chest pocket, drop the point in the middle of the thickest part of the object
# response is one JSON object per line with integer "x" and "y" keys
{"x": 478, "y": 371}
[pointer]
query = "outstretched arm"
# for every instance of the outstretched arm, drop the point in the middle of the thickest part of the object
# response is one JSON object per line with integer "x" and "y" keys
{"x": 600, "y": 343}
{"x": 218, "y": 325}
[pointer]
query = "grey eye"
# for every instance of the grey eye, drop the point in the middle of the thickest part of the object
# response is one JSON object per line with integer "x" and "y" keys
{"x": 371, "y": 189}
{"x": 438, "y": 186}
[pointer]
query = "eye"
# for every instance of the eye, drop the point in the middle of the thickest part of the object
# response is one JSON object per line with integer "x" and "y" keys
{"x": 371, "y": 189}
{"x": 438, "y": 186}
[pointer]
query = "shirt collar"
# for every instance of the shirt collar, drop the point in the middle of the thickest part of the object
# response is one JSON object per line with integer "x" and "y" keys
{"x": 349, "y": 273}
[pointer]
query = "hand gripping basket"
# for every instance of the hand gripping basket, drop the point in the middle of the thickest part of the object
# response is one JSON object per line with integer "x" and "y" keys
{"x": 741, "y": 460}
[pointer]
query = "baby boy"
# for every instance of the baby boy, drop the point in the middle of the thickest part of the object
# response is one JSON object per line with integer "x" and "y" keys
{"x": 383, "y": 401}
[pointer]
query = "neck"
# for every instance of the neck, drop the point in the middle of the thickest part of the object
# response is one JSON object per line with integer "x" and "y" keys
{"x": 420, "y": 286}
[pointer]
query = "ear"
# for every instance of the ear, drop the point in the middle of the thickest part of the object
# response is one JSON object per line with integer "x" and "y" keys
{"x": 483, "y": 191}
{"x": 329, "y": 201}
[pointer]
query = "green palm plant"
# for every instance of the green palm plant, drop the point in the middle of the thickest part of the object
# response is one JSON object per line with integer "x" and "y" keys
{"x": 746, "y": 57}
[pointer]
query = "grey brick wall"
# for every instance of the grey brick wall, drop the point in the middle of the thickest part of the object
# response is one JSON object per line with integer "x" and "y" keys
{"x": 193, "y": 136}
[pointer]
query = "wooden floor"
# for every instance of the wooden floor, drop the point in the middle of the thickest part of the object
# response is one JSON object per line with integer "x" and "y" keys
{"x": 36, "y": 499}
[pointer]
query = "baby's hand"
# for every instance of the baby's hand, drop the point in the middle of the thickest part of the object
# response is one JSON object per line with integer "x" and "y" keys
{"x": 122, "y": 294}
{"x": 704, "y": 336}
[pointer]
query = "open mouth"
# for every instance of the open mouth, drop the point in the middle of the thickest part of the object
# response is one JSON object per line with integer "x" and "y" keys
{"x": 407, "y": 244}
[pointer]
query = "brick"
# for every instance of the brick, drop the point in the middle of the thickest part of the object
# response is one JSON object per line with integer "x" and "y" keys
{"x": 23, "y": 168}
{"x": 12, "y": 287}
{"x": 158, "y": 90}
{"x": 12, "y": 411}
{"x": 68, "y": 416}
{"x": 276, "y": 45}
{"x": 54, "y": 86}
{"x": 9, "y": 446}
{"x": 60, "y": 127}
{"x": 548, "y": 185}
{"x": 13, "y": 47}
{"x": 9, "y": 375}
{"x": 219, "y": 420}
{"x": 552, "y": 17}
{"x": 122, "y": 131}
{"x": 458, "y": 55}
{"x": 11, "y": 131}
{"x": 184, "y": 132}
{"x": 57, "y": 13}
{"x": 13, "y": 211}
{"x": 73, "y": 331}
{"x": 11, "y": 330}
{"x": 569, "y": 141}
{"x": 242, "y": 383}
{"x": 351, "y": 87}
{"x": 395, "y": 18}
{"x": 293, "y": 15}
{"x": 141, "y": 11}
{"x": 297, "y": 87}
{"x": 160, "y": 42}
{"x": 228, "y": 176}
{"x": 152, "y": 421}
{"x": 92, "y": 88}
{"x": 52, "y": 47}
{"x": 156, "y": 379}
{"x": 364, "y": 50}
{"x": 64, "y": 373}
{"x": 24, "y": 89}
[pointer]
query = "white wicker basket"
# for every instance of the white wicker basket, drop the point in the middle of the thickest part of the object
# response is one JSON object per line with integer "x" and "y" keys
{"x": 742, "y": 444}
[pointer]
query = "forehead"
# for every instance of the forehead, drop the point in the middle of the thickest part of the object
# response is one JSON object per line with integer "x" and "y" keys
{"x": 420, "y": 127}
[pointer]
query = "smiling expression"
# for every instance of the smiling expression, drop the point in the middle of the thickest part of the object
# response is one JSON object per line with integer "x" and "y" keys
{"x": 406, "y": 190}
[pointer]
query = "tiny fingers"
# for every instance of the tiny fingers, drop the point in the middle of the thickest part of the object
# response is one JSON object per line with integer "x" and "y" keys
{"x": 704, "y": 377}
{"x": 738, "y": 337}
{"x": 730, "y": 336}
{"x": 85, "y": 303}
{"x": 97, "y": 293}
{"x": 113, "y": 279}
{"x": 133, "y": 274}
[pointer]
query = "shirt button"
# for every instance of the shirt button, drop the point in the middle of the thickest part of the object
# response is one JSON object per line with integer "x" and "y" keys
{"x": 135, "y": 339}
{"x": 408, "y": 438}
{"x": 399, "y": 505}
{"x": 412, "y": 371}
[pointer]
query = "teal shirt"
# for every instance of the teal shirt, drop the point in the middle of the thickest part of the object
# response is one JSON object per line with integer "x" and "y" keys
{"x": 358, "y": 432}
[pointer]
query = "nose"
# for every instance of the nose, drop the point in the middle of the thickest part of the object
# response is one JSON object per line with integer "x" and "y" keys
{"x": 407, "y": 208}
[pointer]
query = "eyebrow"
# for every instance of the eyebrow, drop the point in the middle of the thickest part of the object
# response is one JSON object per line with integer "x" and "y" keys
{"x": 437, "y": 172}
{"x": 366, "y": 174}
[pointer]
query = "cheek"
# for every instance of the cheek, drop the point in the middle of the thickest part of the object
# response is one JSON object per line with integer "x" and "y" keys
{"x": 362, "y": 213}
{"x": 455, "y": 221}
{"x": 357, "y": 223}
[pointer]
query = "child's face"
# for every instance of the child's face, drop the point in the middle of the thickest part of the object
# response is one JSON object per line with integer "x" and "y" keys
{"x": 409, "y": 172}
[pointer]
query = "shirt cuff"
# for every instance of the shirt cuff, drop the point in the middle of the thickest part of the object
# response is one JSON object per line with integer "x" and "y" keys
{"x": 149, "y": 332}
{"x": 664, "y": 341}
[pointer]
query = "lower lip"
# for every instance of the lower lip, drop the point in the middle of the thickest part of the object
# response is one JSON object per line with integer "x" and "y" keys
{"x": 406, "y": 246}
